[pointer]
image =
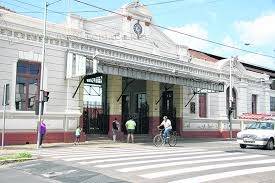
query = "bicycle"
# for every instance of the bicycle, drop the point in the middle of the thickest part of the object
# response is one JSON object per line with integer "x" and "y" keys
{"x": 159, "y": 140}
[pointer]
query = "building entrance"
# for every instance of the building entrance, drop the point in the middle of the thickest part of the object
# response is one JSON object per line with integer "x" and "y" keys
{"x": 95, "y": 113}
{"x": 167, "y": 108}
{"x": 134, "y": 104}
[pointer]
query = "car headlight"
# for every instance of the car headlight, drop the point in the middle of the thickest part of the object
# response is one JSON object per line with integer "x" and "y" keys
{"x": 239, "y": 135}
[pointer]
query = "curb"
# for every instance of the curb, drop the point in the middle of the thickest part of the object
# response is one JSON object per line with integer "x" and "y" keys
{"x": 7, "y": 161}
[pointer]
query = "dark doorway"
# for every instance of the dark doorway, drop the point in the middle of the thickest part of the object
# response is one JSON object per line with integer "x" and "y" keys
{"x": 137, "y": 108}
{"x": 167, "y": 107}
{"x": 142, "y": 110}
{"x": 125, "y": 111}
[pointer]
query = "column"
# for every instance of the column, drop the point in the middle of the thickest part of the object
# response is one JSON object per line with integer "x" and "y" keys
{"x": 153, "y": 95}
{"x": 114, "y": 90}
{"x": 178, "y": 103}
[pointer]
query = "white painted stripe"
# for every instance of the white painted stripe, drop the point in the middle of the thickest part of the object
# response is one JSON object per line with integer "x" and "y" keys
{"x": 147, "y": 157}
{"x": 228, "y": 174}
{"x": 78, "y": 154}
{"x": 163, "y": 160}
{"x": 29, "y": 165}
{"x": 203, "y": 168}
{"x": 83, "y": 151}
{"x": 100, "y": 151}
{"x": 189, "y": 162}
{"x": 124, "y": 155}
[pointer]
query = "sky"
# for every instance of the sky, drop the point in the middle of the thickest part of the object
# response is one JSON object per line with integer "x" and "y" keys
{"x": 246, "y": 24}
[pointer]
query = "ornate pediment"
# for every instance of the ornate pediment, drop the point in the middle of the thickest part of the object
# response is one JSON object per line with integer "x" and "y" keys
{"x": 134, "y": 30}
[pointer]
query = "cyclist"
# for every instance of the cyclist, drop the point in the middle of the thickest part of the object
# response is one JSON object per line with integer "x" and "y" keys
{"x": 166, "y": 123}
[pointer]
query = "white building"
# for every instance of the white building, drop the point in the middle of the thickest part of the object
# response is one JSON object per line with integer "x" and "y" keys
{"x": 141, "y": 71}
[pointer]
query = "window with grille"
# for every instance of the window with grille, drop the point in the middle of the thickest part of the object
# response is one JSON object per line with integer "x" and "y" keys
{"x": 272, "y": 104}
{"x": 254, "y": 104}
{"x": 202, "y": 105}
{"x": 27, "y": 85}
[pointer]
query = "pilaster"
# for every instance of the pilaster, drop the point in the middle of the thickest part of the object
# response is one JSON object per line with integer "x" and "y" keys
{"x": 178, "y": 103}
{"x": 114, "y": 90}
{"x": 153, "y": 95}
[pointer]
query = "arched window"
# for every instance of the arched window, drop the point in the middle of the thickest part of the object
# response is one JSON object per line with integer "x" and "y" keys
{"x": 234, "y": 103}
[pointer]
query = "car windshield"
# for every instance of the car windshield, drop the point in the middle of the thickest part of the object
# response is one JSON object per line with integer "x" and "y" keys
{"x": 261, "y": 125}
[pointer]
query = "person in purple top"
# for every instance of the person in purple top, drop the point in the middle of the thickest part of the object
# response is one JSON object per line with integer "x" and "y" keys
{"x": 42, "y": 132}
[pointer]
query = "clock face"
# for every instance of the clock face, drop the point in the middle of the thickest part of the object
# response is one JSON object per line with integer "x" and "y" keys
{"x": 137, "y": 28}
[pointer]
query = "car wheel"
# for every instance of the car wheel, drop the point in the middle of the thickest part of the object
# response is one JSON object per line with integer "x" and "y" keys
{"x": 270, "y": 144}
{"x": 242, "y": 146}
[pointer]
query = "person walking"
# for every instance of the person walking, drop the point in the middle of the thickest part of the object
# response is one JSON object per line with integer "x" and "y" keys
{"x": 43, "y": 130}
{"x": 166, "y": 123}
{"x": 77, "y": 135}
{"x": 115, "y": 129}
{"x": 130, "y": 126}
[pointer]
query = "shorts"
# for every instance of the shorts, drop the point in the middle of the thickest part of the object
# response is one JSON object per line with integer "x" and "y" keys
{"x": 131, "y": 131}
{"x": 77, "y": 136}
{"x": 114, "y": 131}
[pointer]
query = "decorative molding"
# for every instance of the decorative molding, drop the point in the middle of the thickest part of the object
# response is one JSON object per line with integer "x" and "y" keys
{"x": 118, "y": 54}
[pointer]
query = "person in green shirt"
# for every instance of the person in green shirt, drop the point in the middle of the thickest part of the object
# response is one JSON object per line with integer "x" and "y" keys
{"x": 130, "y": 126}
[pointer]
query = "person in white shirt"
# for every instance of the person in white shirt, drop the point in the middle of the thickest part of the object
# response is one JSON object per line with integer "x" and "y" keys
{"x": 166, "y": 123}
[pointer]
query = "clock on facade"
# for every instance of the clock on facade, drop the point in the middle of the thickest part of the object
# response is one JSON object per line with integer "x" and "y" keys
{"x": 137, "y": 28}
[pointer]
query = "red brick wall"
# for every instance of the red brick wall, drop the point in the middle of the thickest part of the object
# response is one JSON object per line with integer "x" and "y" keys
{"x": 14, "y": 138}
{"x": 153, "y": 123}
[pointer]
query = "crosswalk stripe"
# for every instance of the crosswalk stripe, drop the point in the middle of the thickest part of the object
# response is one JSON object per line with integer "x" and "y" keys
{"x": 203, "y": 168}
{"x": 86, "y": 153}
{"x": 187, "y": 162}
{"x": 125, "y": 155}
{"x": 228, "y": 174}
{"x": 98, "y": 151}
{"x": 162, "y": 160}
{"x": 85, "y": 150}
{"x": 147, "y": 157}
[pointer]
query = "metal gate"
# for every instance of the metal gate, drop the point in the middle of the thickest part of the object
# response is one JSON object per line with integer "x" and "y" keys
{"x": 167, "y": 108}
{"x": 140, "y": 116}
{"x": 95, "y": 121}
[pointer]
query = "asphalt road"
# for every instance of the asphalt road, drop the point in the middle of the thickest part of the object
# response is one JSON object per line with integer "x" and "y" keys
{"x": 190, "y": 161}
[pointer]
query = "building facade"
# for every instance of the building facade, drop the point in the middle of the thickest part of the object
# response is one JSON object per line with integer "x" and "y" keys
{"x": 139, "y": 70}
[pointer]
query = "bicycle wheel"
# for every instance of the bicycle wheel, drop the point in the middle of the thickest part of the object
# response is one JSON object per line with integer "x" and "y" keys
{"x": 158, "y": 140}
{"x": 172, "y": 141}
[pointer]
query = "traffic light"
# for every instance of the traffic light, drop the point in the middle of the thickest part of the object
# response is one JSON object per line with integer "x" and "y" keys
{"x": 46, "y": 96}
{"x": 230, "y": 111}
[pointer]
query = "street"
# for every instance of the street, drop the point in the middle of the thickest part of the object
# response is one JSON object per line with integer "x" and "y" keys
{"x": 193, "y": 161}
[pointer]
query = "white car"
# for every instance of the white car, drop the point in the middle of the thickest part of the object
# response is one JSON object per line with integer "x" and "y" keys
{"x": 258, "y": 134}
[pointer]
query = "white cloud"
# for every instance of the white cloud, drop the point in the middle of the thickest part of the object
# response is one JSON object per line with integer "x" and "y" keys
{"x": 260, "y": 31}
{"x": 225, "y": 51}
{"x": 258, "y": 60}
{"x": 192, "y": 29}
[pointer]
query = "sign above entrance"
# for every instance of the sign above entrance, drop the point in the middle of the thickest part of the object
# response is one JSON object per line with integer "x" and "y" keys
{"x": 79, "y": 65}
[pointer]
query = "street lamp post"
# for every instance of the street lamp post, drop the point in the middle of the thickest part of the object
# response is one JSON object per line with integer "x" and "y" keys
{"x": 230, "y": 109}
{"x": 230, "y": 97}
{"x": 41, "y": 90}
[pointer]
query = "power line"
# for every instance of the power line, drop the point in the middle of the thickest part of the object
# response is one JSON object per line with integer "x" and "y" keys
{"x": 162, "y": 27}
{"x": 164, "y": 2}
{"x": 178, "y": 32}
{"x": 35, "y": 6}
